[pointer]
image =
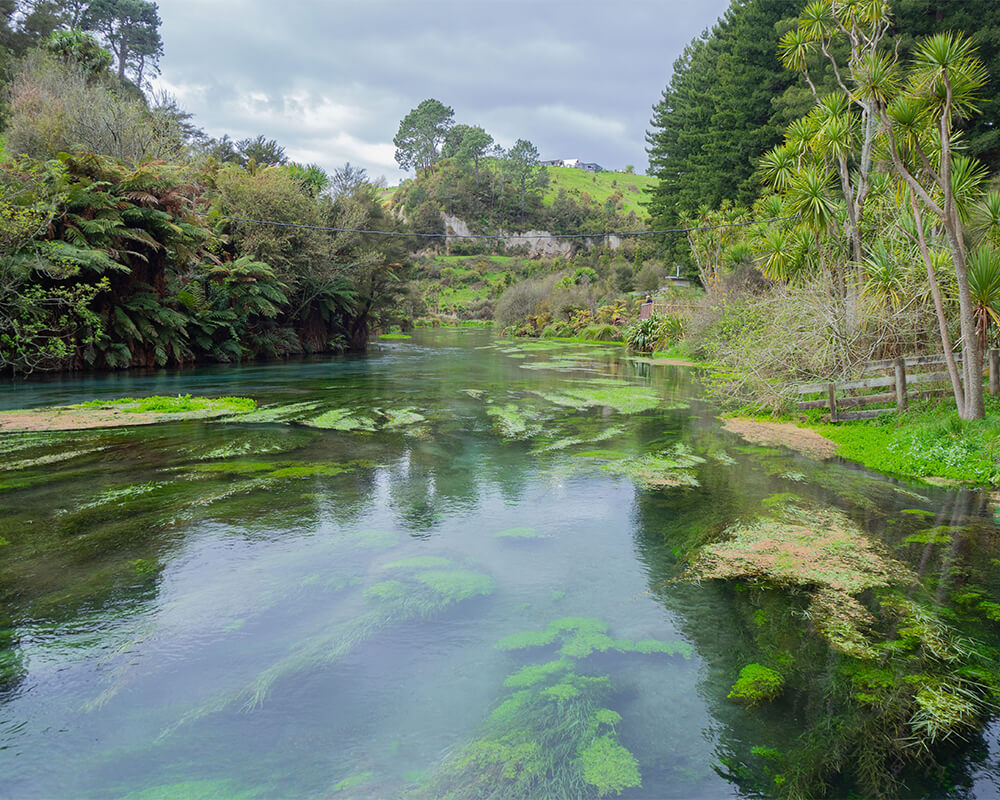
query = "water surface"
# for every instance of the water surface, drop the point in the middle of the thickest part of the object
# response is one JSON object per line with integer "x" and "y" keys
{"x": 233, "y": 609}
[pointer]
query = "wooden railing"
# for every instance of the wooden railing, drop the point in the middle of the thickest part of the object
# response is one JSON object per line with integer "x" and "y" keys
{"x": 894, "y": 387}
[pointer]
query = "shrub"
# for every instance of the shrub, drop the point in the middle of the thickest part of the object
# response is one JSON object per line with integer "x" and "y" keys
{"x": 601, "y": 332}
{"x": 521, "y": 301}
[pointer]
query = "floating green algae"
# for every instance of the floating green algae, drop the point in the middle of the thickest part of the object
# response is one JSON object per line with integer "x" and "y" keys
{"x": 51, "y": 458}
{"x": 756, "y": 684}
{"x": 668, "y": 468}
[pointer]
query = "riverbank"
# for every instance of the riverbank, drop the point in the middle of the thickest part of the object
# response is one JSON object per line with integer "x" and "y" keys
{"x": 928, "y": 442}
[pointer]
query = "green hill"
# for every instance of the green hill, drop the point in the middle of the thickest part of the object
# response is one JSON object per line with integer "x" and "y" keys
{"x": 599, "y": 186}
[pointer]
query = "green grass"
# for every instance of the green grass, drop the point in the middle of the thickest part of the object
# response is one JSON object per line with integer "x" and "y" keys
{"x": 161, "y": 404}
{"x": 928, "y": 440}
{"x": 600, "y": 186}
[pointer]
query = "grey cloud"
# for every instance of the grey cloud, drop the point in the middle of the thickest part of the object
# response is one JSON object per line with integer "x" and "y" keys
{"x": 331, "y": 80}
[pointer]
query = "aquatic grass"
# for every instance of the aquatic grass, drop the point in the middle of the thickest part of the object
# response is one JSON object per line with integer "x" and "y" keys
{"x": 410, "y": 596}
{"x": 512, "y": 422}
{"x": 276, "y": 413}
{"x": 51, "y": 458}
{"x": 623, "y": 397}
{"x": 542, "y": 741}
{"x": 666, "y": 469}
{"x": 572, "y": 441}
{"x": 342, "y": 419}
{"x": 818, "y": 549}
{"x": 551, "y": 735}
{"x": 368, "y": 420}
{"x": 579, "y": 637}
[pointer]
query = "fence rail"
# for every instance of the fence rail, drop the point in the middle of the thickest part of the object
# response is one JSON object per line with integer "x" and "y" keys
{"x": 858, "y": 395}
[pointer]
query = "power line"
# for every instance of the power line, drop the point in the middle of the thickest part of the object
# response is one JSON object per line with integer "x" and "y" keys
{"x": 494, "y": 236}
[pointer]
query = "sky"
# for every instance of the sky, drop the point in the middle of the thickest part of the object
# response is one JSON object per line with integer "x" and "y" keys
{"x": 331, "y": 79}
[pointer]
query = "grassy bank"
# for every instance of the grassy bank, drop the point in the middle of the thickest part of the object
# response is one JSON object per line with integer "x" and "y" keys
{"x": 929, "y": 441}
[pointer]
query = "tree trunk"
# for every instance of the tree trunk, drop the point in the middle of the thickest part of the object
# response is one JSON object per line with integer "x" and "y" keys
{"x": 949, "y": 358}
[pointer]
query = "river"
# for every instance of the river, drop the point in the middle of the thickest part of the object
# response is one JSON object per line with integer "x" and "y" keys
{"x": 452, "y": 576}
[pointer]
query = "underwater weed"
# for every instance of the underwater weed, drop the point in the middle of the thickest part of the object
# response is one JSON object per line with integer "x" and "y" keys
{"x": 669, "y": 468}
{"x": 410, "y": 596}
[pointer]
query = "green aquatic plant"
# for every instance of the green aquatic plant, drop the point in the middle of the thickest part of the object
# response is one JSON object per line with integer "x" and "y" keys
{"x": 544, "y": 740}
{"x": 817, "y": 549}
{"x": 625, "y": 398}
{"x": 536, "y": 673}
{"x": 356, "y": 780}
{"x": 342, "y": 419}
{"x": 512, "y": 422}
{"x": 756, "y": 684}
{"x": 411, "y": 595}
{"x": 368, "y": 420}
{"x": 278, "y": 412}
{"x": 393, "y": 336}
{"x": 581, "y": 636}
{"x": 123, "y": 411}
{"x": 668, "y": 468}
{"x": 609, "y": 767}
{"x": 51, "y": 458}
{"x": 572, "y": 441}
{"x": 550, "y": 736}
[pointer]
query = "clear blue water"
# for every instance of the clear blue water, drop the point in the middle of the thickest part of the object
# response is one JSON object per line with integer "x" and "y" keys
{"x": 146, "y": 592}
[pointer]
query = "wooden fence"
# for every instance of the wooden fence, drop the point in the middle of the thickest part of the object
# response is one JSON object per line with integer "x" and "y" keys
{"x": 890, "y": 388}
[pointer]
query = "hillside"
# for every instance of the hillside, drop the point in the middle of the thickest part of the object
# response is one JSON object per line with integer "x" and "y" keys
{"x": 600, "y": 186}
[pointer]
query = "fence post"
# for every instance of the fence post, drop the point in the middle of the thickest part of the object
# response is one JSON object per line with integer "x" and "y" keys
{"x": 994, "y": 372}
{"x": 832, "y": 399}
{"x": 900, "y": 367}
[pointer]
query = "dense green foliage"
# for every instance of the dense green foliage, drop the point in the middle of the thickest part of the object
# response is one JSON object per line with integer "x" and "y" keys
{"x": 729, "y": 97}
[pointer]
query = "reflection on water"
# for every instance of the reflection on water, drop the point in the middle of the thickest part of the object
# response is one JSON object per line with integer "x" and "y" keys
{"x": 472, "y": 590}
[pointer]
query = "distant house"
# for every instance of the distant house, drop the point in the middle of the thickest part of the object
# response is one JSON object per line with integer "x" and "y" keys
{"x": 574, "y": 163}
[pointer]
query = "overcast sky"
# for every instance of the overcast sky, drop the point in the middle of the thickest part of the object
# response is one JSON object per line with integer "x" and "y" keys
{"x": 331, "y": 79}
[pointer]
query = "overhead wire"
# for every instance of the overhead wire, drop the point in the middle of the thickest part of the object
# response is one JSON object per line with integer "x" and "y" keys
{"x": 494, "y": 236}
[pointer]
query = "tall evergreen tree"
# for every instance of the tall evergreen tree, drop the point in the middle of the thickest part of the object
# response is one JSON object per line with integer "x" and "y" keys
{"x": 715, "y": 117}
